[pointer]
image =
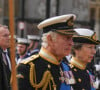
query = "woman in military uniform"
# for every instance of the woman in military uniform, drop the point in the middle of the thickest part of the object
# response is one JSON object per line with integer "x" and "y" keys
{"x": 41, "y": 71}
{"x": 76, "y": 75}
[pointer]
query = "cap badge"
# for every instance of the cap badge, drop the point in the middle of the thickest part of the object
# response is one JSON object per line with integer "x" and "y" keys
{"x": 70, "y": 22}
{"x": 94, "y": 36}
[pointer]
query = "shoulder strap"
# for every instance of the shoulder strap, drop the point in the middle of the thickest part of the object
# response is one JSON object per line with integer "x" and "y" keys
{"x": 29, "y": 59}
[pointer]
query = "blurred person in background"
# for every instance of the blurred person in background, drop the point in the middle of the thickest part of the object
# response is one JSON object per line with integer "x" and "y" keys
{"x": 41, "y": 71}
{"x": 22, "y": 49}
{"x": 34, "y": 44}
{"x": 5, "y": 64}
{"x": 75, "y": 75}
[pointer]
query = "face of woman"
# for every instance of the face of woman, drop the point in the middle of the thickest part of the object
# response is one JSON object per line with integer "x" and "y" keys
{"x": 86, "y": 53}
{"x": 62, "y": 45}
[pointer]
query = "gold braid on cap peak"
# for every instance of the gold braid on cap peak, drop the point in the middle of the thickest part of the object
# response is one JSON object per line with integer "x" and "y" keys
{"x": 47, "y": 77}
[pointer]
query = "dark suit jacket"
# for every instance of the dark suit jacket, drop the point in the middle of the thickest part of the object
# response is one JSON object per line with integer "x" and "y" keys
{"x": 4, "y": 82}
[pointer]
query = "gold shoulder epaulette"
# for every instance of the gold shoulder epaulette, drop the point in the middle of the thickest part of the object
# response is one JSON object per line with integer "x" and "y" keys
{"x": 31, "y": 58}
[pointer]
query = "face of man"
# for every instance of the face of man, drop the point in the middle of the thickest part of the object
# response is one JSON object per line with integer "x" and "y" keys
{"x": 21, "y": 49}
{"x": 62, "y": 45}
{"x": 4, "y": 37}
{"x": 86, "y": 53}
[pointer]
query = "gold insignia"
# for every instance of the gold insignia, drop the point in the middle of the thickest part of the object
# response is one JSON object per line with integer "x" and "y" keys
{"x": 27, "y": 60}
{"x": 46, "y": 80}
{"x": 79, "y": 80}
{"x": 70, "y": 22}
{"x": 94, "y": 36}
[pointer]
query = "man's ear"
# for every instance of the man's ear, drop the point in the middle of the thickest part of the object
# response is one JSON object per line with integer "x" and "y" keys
{"x": 49, "y": 39}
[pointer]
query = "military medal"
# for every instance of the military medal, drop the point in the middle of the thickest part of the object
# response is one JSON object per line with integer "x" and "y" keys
{"x": 69, "y": 78}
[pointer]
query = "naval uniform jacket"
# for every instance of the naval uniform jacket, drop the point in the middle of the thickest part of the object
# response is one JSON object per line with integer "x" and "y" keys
{"x": 39, "y": 72}
{"x": 18, "y": 59}
{"x": 76, "y": 76}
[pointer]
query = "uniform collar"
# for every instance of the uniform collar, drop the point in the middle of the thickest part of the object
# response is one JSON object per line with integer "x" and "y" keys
{"x": 77, "y": 63}
{"x": 48, "y": 56}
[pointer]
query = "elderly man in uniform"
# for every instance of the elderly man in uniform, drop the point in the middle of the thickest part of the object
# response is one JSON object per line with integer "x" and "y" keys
{"x": 41, "y": 71}
{"x": 75, "y": 75}
{"x": 22, "y": 48}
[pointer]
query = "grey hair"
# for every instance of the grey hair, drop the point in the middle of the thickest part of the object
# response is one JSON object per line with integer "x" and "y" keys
{"x": 44, "y": 38}
{"x": 76, "y": 46}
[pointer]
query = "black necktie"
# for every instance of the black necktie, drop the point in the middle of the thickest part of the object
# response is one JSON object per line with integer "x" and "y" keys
{"x": 7, "y": 67}
{"x": 5, "y": 59}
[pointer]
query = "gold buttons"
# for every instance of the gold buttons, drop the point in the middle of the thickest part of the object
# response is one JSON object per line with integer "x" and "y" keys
{"x": 75, "y": 69}
{"x": 79, "y": 80}
{"x": 49, "y": 66}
